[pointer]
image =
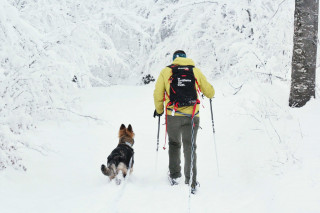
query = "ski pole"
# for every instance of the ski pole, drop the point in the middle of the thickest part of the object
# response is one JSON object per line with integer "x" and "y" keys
{"x": 156, "y": 162}
{"x": 214, "y": 138}
{"x": 158, "y": 133}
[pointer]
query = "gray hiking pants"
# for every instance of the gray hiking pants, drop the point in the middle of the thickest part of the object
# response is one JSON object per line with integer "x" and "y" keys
{"x": 180, "y": 129}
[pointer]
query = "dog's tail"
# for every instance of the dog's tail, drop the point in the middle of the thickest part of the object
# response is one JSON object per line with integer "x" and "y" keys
{"x": 105, "y": 170}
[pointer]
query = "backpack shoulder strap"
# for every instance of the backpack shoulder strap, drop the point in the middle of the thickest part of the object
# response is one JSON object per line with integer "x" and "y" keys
{"x": 172, "y": 66}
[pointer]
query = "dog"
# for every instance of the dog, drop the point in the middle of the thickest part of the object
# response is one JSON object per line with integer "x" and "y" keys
{"x": 121, "y": 158}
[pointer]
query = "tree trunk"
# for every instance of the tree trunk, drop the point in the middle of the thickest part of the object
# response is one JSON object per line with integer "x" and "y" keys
{"x": 304, "y": 56}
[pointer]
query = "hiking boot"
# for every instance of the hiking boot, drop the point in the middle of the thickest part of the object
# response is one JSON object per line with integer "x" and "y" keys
{"x": 174, "y": 181}
{"x": 194, "y": 187}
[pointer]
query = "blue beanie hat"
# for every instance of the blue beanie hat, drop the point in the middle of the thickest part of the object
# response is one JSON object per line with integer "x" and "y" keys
{"x": 179, "y": 53}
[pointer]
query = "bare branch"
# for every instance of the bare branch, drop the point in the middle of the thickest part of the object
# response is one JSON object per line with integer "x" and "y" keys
{"x": 248, "y": 115}
{"x": 85, "y": 116}
{"x": 276, "y": 10}
{"x": 236, "y": 88}
{"x": 280, "y": 141}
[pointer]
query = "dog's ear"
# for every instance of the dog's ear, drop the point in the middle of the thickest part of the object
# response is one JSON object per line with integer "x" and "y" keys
{"x": 130, "y": 131}
{"x": 130, "y": 128}
{"x": 122, "y": 127}
{"x": 122, "y": 130}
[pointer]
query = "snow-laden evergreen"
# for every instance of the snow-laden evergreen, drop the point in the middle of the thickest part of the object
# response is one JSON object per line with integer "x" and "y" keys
{"x": 56, "y": 131}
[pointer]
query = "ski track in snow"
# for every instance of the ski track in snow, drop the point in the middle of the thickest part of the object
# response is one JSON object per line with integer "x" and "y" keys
{"x": 257, "y": 172}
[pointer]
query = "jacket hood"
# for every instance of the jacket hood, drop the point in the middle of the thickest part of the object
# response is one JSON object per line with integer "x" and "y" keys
{"x": 183, "y": 61}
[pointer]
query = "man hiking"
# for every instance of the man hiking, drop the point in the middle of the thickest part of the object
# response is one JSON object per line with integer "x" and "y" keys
{"x": 177, "y": 85}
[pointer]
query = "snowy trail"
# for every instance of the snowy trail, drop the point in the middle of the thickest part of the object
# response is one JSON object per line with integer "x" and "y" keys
{"x": 67, "y": 177}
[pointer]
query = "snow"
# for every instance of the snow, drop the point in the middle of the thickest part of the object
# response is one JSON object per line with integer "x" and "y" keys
{"x": 55, "y": 133}
{"x": 267, "y": 164}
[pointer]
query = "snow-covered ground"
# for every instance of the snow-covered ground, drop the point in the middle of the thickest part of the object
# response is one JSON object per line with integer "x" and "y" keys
{"x": 268, "y": 157}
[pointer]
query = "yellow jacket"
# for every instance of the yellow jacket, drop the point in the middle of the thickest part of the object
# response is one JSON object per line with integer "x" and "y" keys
{"x": 163, "y": 85}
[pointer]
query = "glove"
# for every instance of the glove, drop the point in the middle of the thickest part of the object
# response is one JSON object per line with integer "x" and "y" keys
{"x": 156, "y": 114}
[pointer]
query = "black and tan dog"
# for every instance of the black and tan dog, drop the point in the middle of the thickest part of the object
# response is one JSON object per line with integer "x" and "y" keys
{"x": 121, "y": 158}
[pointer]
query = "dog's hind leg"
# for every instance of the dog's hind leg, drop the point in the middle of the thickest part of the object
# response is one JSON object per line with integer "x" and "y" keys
{"x": 112, "y": 171}
{"x": 123, "y": 168}
{"x": 119, "y": 178}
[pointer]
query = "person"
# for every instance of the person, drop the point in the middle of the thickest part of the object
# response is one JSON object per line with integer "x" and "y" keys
{"x": 182, "y": 120}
